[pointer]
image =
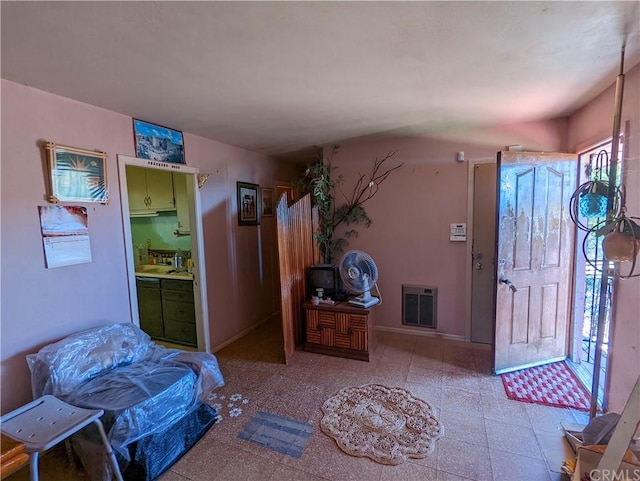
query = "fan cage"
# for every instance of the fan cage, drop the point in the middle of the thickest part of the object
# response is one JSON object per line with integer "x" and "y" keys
{"x": 362, "y": 262}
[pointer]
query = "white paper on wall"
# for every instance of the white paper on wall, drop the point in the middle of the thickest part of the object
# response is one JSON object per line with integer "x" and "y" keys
{"x": 65, "y": 235}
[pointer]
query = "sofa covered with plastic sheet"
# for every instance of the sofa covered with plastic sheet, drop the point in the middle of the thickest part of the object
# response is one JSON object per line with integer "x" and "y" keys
{"x": 153, "y": 397}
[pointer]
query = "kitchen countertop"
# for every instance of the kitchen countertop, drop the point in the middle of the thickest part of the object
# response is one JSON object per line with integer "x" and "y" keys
{"x": 162, "y": 272}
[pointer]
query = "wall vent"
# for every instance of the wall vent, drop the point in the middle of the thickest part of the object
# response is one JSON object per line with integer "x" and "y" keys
{"x": 419, "y": 306}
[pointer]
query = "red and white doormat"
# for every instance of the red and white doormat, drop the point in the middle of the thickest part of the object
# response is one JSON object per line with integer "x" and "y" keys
{"x": 552, "y": 385}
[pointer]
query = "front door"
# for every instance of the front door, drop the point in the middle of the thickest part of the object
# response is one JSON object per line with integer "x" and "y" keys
{"x": 535, "y": 258}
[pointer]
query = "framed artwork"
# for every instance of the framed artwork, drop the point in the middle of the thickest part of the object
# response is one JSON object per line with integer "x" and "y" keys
{"x": 76, "y": 175}
{"x": 155, "y": 142}
{"x": 248, "y": 203}
{"x": 267, "y": 201}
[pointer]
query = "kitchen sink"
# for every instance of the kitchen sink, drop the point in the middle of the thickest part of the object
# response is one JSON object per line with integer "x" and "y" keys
{"x": 162, "y": 271}
{"x": 149, "y": 269}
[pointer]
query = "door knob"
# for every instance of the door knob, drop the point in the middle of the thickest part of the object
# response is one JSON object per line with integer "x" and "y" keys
{"x": 478, "y": 266}
{"x": 509, "y": 283}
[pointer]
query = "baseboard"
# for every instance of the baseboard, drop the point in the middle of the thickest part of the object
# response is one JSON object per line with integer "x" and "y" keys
{"x": 244, "y": 332}
{"x": 415, "y": 332}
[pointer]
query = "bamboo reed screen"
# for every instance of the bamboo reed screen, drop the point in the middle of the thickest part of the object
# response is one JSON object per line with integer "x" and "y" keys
{"x": 297, "y": 250}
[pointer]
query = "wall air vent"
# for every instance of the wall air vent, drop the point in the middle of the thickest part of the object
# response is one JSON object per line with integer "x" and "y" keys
{"x": 419, "y": 306}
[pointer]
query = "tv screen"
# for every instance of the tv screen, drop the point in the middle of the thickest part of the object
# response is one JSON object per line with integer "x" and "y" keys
{"x": 325, "y": 276}
{"x": 322, "y": 278}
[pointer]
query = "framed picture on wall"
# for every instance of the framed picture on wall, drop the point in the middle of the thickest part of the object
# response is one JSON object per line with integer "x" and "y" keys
{"x": 267, "y": 201}
{"x": 248, "y": 203}
{"x": 155, "y": 142}
{"x": 76, "y": 175}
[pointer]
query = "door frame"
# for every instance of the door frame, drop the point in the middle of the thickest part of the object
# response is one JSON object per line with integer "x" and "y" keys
{"x": 469, "y": 250}
{"x": 575, "y": 346}
{"x": 197, "y": 242}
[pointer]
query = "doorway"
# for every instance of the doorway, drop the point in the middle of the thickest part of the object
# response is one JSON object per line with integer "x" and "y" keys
{"x": 193, "y": 218}
{"x": 588, "y": 273}
{"x": 483, "y": 252}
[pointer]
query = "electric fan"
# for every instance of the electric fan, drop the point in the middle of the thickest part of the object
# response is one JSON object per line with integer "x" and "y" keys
{"x": 359, "y": 275}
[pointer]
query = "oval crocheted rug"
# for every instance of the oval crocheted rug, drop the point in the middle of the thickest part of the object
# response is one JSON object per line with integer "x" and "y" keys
{"x": 385, "y": 424}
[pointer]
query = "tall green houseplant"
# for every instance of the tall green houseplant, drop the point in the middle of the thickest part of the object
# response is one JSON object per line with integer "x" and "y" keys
{"x": 323, "y": 182}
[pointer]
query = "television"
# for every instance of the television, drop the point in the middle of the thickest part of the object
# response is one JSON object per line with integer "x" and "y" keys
{"x": 327, "y": 277}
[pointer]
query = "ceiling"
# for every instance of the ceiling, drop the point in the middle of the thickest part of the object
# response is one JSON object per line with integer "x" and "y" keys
{"x": 278, "y": 77}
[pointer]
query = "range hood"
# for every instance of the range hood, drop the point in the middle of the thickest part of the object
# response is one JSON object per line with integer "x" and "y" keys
{"x": 144, "y": 213}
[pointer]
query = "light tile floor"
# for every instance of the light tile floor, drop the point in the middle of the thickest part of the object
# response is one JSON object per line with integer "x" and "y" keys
{"x": 486, "y": 436}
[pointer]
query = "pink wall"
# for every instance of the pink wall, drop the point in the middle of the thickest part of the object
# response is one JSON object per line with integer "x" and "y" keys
{"x": 409, "y": 236}
{"x": 42, "y": 305}
{"x": 414, "y": 207}
{"x": 242, "y": 263}
{"x": 590, "y": 125}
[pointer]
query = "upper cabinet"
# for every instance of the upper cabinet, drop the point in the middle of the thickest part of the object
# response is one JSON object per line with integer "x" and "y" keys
{"x": 149, "y": 190}
{"x": 182, "y": 202}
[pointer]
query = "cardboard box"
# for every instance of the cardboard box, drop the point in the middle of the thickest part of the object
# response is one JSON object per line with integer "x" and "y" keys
{"x": 587, "y": 464}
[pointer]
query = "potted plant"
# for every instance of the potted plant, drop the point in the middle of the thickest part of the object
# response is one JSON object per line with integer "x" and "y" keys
{"x": 323, "y": 182}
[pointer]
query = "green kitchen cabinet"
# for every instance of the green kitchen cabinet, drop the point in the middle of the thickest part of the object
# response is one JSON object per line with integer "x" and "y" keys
{"x": 150, "y": 306}
{"x": 178, "y": 311}
{"x": 149, "y": 190}
{"x": 167, "y": 311}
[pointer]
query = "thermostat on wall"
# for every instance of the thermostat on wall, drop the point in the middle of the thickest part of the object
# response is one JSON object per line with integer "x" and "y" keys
{"x": 458, "y": 232}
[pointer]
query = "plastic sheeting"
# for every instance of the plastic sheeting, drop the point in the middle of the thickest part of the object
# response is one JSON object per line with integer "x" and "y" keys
{"x": 153, "y": 455}
{"x": 143, "y": 388}
{"x": 138, "y": 399}
{"x": 150, "y": 456}
{"x": 59, "y": 367}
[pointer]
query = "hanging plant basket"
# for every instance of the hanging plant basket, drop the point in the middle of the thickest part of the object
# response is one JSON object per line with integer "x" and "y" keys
{"x": 590, "y": 201}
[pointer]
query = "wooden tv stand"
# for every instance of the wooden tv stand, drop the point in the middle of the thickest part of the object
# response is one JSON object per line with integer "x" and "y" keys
{"x": 339, "y": 330}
